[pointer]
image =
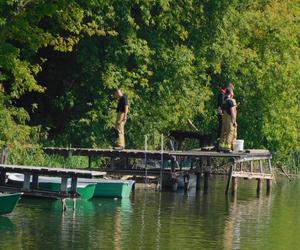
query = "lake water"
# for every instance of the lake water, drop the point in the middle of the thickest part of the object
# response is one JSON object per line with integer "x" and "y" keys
{"x": 153, "y": 220}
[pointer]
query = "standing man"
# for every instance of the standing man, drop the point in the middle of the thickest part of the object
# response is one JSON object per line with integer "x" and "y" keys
{"x": 229, "y": 125}
{"x": 122, "y": 111}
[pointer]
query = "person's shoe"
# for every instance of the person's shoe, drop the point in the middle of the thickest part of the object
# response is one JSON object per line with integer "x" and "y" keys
{"x": 118, "y": 148}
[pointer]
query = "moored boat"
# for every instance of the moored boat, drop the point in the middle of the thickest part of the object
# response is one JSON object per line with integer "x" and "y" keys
{"x": 86, "y": 190}
{"x": 110, "y": 188}
{"x": 8, "y": 202}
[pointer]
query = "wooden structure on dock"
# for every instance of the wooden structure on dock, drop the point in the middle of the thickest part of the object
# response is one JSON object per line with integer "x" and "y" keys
{"x": 180, "y": 136}
{"x": 249, "y": 164}
{"x": 31, "y": 174}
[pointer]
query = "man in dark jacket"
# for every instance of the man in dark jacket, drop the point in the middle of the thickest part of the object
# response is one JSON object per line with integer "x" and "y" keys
{"x": 229, "y": 124}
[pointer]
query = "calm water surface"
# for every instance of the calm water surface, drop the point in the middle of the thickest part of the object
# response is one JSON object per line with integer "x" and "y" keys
{"x": 153, "y": 220}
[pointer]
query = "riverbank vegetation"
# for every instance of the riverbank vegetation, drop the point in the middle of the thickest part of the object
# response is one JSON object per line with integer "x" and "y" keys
{"x": 60, "y": 62}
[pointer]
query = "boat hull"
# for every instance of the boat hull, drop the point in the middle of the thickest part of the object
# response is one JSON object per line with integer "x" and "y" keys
{"x": 116, "y": 190}
{"x": 8, "y": 202}
{"x": 110, "y": 188}
{"x": 86, "y": 192}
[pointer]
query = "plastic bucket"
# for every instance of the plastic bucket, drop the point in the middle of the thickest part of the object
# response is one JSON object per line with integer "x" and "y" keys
{"x": 238, "y": 145}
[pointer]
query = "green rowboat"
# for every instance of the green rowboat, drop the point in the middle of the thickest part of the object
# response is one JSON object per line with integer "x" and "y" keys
{"x": 86, "y": 191}
{"x": 87, "y": 188}
{"x": 8, "y": 202}
{"x": 110, "y": 188}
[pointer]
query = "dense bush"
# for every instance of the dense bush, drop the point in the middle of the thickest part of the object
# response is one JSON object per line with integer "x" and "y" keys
{"x": 61, "y": 60}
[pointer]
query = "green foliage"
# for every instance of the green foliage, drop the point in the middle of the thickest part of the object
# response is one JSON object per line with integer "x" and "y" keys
{"x": 61, "y": 61}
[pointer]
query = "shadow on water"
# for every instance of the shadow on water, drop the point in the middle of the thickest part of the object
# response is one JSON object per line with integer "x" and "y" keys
{"x": 8, "y": 231}
{"x": 6, "y": 225}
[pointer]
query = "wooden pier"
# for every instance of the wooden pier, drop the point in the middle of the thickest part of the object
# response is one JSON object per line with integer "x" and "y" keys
{"x": 31, "y": 180}
{"x": 248, "y": 164}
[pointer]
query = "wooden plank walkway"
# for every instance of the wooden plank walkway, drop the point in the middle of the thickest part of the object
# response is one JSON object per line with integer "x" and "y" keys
{"x": 58, "y": 172}
{"x": 153, "y": 154}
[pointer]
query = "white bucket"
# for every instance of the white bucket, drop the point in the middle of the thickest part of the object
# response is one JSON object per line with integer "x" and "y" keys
{"x": 238, "y": 145}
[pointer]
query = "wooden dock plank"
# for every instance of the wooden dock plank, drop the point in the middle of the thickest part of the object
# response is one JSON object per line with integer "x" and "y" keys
{"x": 50, "y": 171}
{"x": 151, "y": 154}
{"x": 38, "y": 193}
{"x": 254, "y": 175}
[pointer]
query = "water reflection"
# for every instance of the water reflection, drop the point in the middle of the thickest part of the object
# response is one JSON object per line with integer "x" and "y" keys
{"x": 154, "y": 220}
{"x": 246, "y": 219}
{"x": 6, "y": 225}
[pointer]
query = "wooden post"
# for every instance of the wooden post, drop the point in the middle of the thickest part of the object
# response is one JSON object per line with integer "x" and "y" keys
{"x": 112, "y": 163}
{"x": 260, "y": 166}
{"x": 209, "y": 162}
{"x": 65, "y": 160}
{"x": 172, "y": 165}
{"x": 174, "y": 184}
{"x": 26, "y": 183}
{"x": 73, "y": 185}
{"x": 162, "y": 162}
{"x": 198, "y": 175}
{"x": 229, "y": 179}
{"x": 2, "y": 177}
{"x": 35, "y": 181}
{"x": 259, "y": 185}
{"x": 90, "y": 162}
{"x": 270, "y": 165}
{"x": 180, "y": 165}
{"x": 64, "y": 185}
{"x": 133, "y": 186}
{"x": 186, "y": 179}
{"x": 206, "y": 178}
{"x": 269, "y": 184}
{"x": 234, "y": 185}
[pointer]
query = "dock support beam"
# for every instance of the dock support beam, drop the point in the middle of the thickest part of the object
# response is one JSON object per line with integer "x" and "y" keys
{"x": 64, "y": 185}
{"x": 73, "y": 185}
{"x": 35, "y": 181}
{"x": 2, "y": 177}
{"x": 229, "y": 179}
{"x": 234, "y": 185}
{"x": 259, "y": 185}
{"x": 90, "y": 162}
{"x": 26, "y": 184}
{"x": 198, "y": 176}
